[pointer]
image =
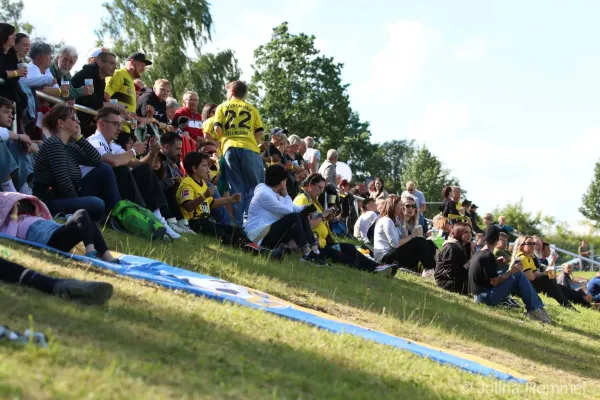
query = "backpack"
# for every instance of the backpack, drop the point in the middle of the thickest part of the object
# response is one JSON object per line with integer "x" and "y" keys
{"x": 131, "y": 218}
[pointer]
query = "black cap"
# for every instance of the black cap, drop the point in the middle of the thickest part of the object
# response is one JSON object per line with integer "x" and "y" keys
{"x": 474, "y": 206}
{"x": 279, "y": 131}
{"x": 141, "y": 57}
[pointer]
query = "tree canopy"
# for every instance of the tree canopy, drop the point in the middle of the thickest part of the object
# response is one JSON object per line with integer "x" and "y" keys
{"x": 590, "y": 207}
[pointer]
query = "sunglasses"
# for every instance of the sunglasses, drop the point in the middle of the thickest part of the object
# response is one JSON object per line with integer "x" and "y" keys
{"x": 410, "y": 206}
{"x": 211, "y": 152}
{"x": 529, "y": 244}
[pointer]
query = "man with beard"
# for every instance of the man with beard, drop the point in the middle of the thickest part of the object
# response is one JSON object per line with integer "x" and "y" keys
{"x": 120, "y": 86}
{"x": 61, "y": 71}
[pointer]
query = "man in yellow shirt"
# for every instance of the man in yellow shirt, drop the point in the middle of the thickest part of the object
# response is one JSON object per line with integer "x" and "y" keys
{"x": 237, "y": 125}
{"x": 120, "y": 86}
{"x": 342, "y": 253}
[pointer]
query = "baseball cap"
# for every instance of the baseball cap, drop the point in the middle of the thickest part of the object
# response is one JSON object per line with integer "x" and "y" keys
{"x": 141, "y": 57}
{"x": 95, "y": 52}
{"x": 278, "y": 131}
{"x": 474, "y": 206}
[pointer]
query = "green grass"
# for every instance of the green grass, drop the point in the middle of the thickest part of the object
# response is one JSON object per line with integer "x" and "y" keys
{"x": 149, "y": 342}
{"x": 585, "y": 274}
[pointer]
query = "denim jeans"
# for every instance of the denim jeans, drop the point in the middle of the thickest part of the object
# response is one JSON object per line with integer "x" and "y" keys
{"x": 519, "y": 284}
{"x": 8, "y": 165}
{"x": 24, "y": 161}
{"x": 101, "y": 182}
{"x": 244, "y": 170}
{"x": 93, "y": 205}
{"x": 220, "y": 214}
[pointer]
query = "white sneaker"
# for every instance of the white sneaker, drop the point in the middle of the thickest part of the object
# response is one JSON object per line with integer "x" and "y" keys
{"x": 183, "y": 225}
{"x": 170, "y": 232}
{"x": 385, "y": 270}
{"x": 172, "y": 222}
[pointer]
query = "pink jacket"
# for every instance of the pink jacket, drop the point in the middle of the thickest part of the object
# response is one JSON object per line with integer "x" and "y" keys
{"x": 8, "y": 200}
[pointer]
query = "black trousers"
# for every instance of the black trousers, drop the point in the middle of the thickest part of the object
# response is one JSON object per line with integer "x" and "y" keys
{"x": 229, "y": 234}
{"x": 15, "y": 273}
{"x": 141, "y": 186}
{"x": 292, "y": 226}
{"x": 349, "y": 256}
{"x": 79, "y": 228}
{"x": 411, "y": 253}
{"x": 550, "y": 288}
{"x": 576, "y": 296}
{"x": 172, "y": 209}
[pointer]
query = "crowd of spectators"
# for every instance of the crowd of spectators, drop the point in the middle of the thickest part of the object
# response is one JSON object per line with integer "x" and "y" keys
{"x": 216, "y": 172}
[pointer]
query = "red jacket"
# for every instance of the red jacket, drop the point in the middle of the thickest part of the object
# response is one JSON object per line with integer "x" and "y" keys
{"x": 194, "y": 127}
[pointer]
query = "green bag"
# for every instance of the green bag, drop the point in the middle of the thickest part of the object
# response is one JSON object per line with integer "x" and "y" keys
{"x": 131, "y": 218}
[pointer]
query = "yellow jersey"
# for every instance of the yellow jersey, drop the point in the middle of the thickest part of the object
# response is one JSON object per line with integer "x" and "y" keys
{"x": 527, "y": 262}
{"x": 239, "y": 122}
{"x": 188, "y": 190}
{"x": 321, "y": 230}
{"x": 208, "y": 126}
{"x": 120, "y": 87}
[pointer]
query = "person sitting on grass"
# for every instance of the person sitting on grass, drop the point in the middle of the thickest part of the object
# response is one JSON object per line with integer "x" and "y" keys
{"x": 27, "y": 218}
{"x": 500, "y": 251}
{"x": 492, "y": 289}
{"x": 195, "y": 198}
{"x": 274, "y": 220}
{"x": 565, "y": 281}
{"x": 342, "y": 253}
{"x": 524, "y": 251}
{"x": 393, "y": 243}
{"x": 594, "y": 288}
{"x": 367, "y": 218}
{"x": 69, "y": 289}
{"x": 451, "y": 270}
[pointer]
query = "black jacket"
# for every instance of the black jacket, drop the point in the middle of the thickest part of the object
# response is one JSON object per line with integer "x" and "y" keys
{"x": 160, "y": 107}
{"x": 94, "y": 101}
{"x": 450, "y": 272}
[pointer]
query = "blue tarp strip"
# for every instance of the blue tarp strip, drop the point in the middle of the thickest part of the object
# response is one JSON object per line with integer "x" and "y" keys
{"x": 217, "y": 289}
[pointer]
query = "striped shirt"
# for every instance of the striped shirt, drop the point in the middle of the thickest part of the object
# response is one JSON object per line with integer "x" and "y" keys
{"x": 57, "y": 166}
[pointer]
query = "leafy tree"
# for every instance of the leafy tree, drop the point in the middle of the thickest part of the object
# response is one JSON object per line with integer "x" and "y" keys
{"x": 427, "y": 171}
{"x": 11, "y": 12}
{"x": 524, "y": 221}
{"x": 208, "y": 75}
{"x": 389, "y": 162}
{"x": 296, "y": 87}
{"x": 162, "y": 29}
{"x": 356, "y": 148}
{"x": 591, "y": 199}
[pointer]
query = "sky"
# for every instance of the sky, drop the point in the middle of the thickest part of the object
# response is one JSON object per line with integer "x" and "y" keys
{"x": 505, "y": 93}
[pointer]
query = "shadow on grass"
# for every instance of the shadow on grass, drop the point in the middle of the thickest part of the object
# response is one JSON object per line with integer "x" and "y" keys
{"x": 410, "y": 299}
{"x": 224, "y": 362}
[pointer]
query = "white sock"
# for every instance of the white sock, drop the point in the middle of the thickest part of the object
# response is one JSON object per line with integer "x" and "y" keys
{"x": 8, "y": 186}
{"x": 172, "y": 221}
{"x": 158, "y": 214}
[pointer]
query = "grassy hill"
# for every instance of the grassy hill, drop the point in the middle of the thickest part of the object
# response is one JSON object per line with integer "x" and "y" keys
{"x": 151, "y": 343}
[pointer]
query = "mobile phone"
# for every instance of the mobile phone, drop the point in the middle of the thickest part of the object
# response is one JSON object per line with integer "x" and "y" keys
{"x": 267, "y": 137}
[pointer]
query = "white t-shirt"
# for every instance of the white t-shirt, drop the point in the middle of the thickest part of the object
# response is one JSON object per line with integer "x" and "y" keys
{"x": 417, "y": 195}
{"x": 310, "y": 154}
{"x": 33, "y": 72}
{"x": 386, "y": 237}
{"x": 99, "y": 142}
{"x": 362, "y": 225}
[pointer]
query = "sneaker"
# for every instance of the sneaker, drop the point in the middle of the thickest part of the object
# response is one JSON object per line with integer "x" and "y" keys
{"x": 278, "y": 253}
{"x": 539, "y": 315}
{"x": 386, "y": 270}
{"x": 172, "y": 222}
{"x": 184, "y": 226}
{"x": 170, "y": 232}
{"x": 314, "y": 259}
{"x": 83, "y": 292}
{"x": 428, "y": 273}
{"x": 509, "y": 302}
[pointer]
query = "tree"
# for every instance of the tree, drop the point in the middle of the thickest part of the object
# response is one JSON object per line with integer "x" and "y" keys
{"x": 356, "y": 148}
{"x": 11, "y": 12}
{"x": 208, "y": 75}
{"x": 590, "y": 207}
{"x": 296, "y": 87}
{"x": 524, "y": 221}
{"x": 162, "y": 29}
{"x": 430, "y": 177}
{"x": 389, "y": 162}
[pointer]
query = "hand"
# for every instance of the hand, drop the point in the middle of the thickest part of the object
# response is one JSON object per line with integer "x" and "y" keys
{"x": 71, "y": 103}
{"x": 554, "y": 256}
{"x": 236, "y": 198}
{"x": 210, "y": 192}
{"x": 154, "y": 146}
{"x": 263, "y": 146}
{"x": 501, "y": 260}
{"x": 516, "y": 268}
{"x": 88, "y": 90}
{"x": 149, "y": 111}
{"x": 140, "y": 147}
{"x": 22, "y": 72}
{"x": 171, "y": 128}
{"x": 418, "y": 231}
{"x": 176, "y": 180}
{"x": 54, "y": 82}
{"x": 162, "y": 125}
{"x": 25, "y": 139}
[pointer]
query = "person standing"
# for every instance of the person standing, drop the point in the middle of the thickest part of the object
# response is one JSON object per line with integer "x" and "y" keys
{"x": 239, "y": 127}
{"x": 584, "y": 251}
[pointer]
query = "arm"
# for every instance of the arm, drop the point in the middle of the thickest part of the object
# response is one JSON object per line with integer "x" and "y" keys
{"x": 75, "y": 93}
{"x": 259, "y": 129}
{"x": 118, "y": 160}
{"x": 86, "y": 154}
{"x": 37, "y": 82}
{"x": 113, "y": 84}
{"x": 219, "y": 119}
{"x": 223, "y": 201}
